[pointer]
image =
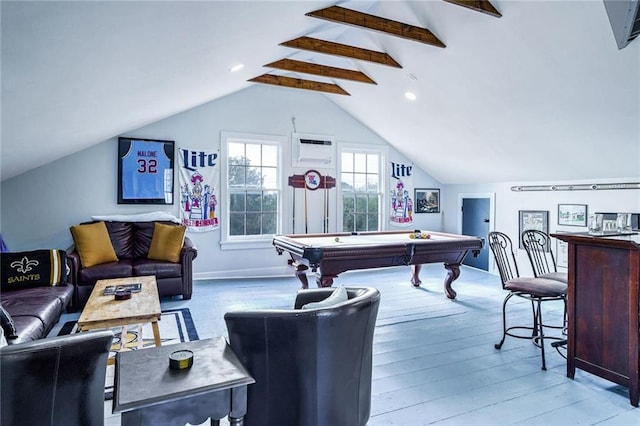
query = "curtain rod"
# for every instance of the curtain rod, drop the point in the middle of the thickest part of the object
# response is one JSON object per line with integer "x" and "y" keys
{"x": 578, "y": 187}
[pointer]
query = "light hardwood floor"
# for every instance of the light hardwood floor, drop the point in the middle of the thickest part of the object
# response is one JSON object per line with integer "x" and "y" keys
{"x": 434, "y": 359}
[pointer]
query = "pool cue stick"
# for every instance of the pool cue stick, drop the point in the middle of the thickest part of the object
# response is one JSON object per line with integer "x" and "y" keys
{"x": 324, "y": 211}
{"x": 326, "y": 206}
{"x": 293, "y": 218}
{"x": 326, "y": 218}
{"x": 328, "y": 201}
{"x": 306, "y": 219}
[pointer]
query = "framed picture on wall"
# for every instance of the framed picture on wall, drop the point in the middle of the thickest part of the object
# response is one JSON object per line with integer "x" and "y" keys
{"x": 145, "y": 171}
{"x": 427, "y": 200}
{"x": 572, "y": 214}
{"x": 533, "y": 219}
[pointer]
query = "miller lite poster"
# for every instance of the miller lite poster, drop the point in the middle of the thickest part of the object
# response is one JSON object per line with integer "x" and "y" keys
{"x": 401, "y": 203}
{"x": 199, "y": 181}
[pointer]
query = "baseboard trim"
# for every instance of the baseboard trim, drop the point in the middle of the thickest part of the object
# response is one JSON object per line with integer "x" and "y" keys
{"x": 271, "y": 272}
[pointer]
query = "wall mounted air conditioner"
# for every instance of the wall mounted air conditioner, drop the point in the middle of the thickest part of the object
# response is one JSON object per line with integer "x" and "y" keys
{"x": 624, "y": 16}
{"x": 316, "y": 150}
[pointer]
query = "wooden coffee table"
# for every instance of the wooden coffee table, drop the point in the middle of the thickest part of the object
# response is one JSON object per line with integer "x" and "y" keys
{"x": 102, "y": 311}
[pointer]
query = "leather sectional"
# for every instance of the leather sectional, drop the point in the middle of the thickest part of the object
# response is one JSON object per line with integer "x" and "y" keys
{"x": 36, "y": 310}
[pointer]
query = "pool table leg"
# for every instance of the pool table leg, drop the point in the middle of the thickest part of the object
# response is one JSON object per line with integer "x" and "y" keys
{"x": 454, "y": 272}
{"x": 325, "y": 280}
{"x": 415, "y": 272}
{"x": 301, "y": 273}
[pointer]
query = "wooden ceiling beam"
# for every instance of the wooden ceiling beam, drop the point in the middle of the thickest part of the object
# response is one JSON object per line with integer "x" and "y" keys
{"x": 344, "y": 50}
{"x": 483, "y": 6}
{"x": 323, "y": 70}
{"x": 299, "y": 83}
{"x": 376, "y": 23}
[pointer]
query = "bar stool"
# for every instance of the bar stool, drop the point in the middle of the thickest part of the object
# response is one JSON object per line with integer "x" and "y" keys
{"x": 536, "y": 290}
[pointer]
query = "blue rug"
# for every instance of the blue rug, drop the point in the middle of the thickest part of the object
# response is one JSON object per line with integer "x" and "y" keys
{"x": 176, "y": 326}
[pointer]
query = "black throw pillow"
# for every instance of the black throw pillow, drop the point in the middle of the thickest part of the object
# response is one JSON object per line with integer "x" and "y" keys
{"x": 32, "y": 269}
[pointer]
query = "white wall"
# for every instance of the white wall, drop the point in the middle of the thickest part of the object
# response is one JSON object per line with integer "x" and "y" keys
{"x": 509, "y": 203}
{"x": 39, "y": 206}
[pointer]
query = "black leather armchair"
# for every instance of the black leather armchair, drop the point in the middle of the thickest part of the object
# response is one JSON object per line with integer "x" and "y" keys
{"x": 57, "y": 381}
{"x": 312, "y": 366}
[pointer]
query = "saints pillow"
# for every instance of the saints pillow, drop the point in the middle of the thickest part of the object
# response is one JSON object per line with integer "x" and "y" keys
{"x": 33, "y": 268}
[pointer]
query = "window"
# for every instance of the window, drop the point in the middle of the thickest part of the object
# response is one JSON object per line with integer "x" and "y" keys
{"x": 361, "y": 189}
{"x": 253, "y": 189}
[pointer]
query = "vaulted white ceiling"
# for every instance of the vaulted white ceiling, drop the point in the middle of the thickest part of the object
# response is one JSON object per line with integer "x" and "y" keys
{"x": 542, "y": 93}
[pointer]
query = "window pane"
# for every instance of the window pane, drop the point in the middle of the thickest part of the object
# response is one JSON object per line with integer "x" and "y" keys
{"x": 362, "y": 211}
{"x": 270, "y": 177}
{"x": 236, "y": 151}
{"x": 254, "y": 177}
{"x": 361, "y": 203}
{"x": 236, "y": 202}
{"x": 253, "y": 166}
{"x": 360, "y": 182}
{"x": 347, "y": 181}
{"x": 269, "y": 223}
{"x": 372, "y": 224}
{"x": 236, "y": 176}
{"x": 372, "y": 183}
{"x": 270, "y": 201}
{"x": 373, "y": 204}
{"x": 360, "y": 162}
{"x": 270, "y": 155}
{"x": 236, "y": 224}
{"x": 347, "y": 222}
{"x": 254, "y": 201}
{"x": 253, "y": 154}
{"x": 372, "y": 163}
{"x": 348, "y": 204}
{"x": 347, "y": 162}
{"x": 253, "y": 224}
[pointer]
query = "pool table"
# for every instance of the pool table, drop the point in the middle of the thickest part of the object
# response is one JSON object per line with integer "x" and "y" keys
{"x": 330, "y": 254}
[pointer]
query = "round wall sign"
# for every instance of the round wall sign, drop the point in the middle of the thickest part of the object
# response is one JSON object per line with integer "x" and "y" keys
{"x": 312, "y": 179}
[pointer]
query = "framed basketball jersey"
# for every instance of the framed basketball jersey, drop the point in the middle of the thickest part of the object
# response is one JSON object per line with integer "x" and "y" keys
{"x": 145, "y": 171}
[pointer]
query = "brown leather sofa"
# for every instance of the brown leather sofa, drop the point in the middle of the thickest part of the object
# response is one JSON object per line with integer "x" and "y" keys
{"x": 131, "y": 242}
{"x": 35, "y": 310}
{"x": 312, "y": 366}
{"x": 34, "y": 293}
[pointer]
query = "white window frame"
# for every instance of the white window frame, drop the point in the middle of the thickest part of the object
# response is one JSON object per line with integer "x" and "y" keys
{"x": 239, "y": 242}
{"x": 383, "y": 153}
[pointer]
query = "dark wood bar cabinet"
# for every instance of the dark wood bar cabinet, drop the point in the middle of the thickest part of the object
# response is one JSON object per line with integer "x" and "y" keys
{"x": 603, "y": 308}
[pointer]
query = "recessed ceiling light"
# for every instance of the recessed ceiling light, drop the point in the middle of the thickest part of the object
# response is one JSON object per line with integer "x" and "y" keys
{"x": 236, "y": 67}
{"x": 410, "y": 95}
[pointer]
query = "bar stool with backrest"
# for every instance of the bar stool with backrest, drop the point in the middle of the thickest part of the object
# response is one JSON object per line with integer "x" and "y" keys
{"x": 536, "y": 290}
{"x": 537, "y": 245}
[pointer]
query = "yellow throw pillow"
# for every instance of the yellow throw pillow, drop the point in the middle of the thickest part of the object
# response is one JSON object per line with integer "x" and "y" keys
{"x": 166, "y": 243}
{"x": 93, "y": 244}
